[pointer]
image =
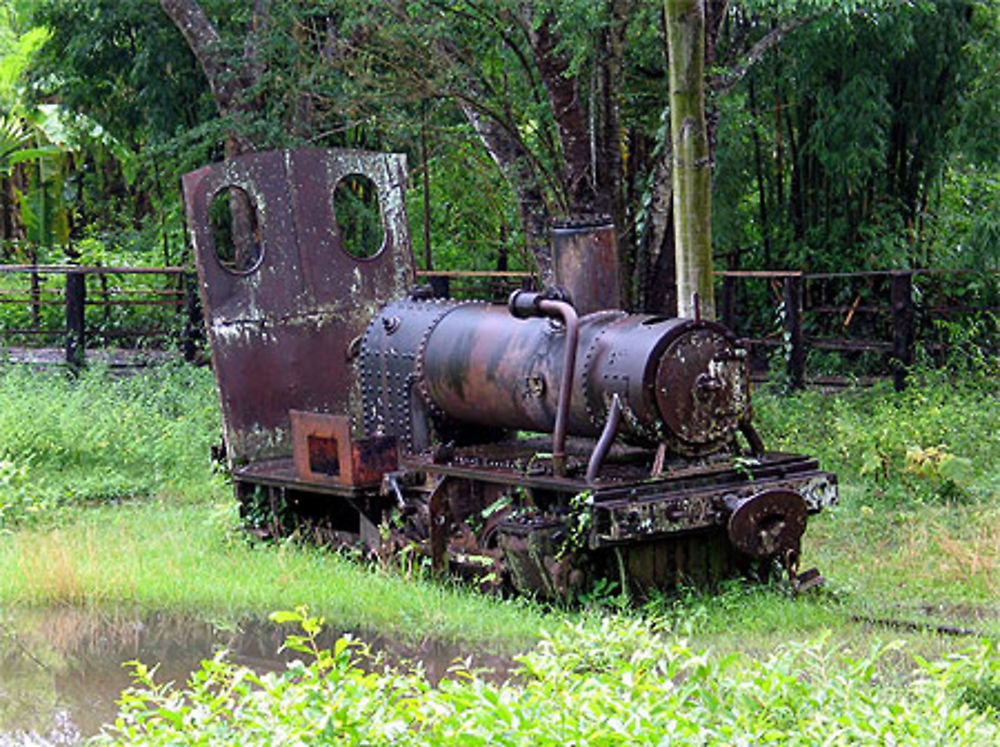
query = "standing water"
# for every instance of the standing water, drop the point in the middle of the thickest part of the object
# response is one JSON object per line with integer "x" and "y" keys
{"x": 61, "y": 668}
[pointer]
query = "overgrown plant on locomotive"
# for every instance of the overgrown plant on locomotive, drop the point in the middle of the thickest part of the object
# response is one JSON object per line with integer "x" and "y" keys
{"x": 539, "y": 445}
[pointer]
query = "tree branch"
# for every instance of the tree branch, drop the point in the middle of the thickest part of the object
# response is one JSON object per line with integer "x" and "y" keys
{"x": 205, "y": 43}
{"x": 725, "y": 83}
{"x": 569, "y": 114}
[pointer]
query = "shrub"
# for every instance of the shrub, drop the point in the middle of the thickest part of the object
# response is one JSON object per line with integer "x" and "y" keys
{"x": 616, "y": 683}
{"x": 935, "y": 441}
{"x": 98, "y": 437}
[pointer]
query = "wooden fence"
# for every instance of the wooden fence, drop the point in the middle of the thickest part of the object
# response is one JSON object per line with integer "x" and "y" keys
{"x": 494, "y": 285}
{"x": 34, "y": 290}
{"x": 886, "y": 312}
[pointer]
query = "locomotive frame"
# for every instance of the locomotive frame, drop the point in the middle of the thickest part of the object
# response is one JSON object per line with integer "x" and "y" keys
{"x": 389, "y": 418}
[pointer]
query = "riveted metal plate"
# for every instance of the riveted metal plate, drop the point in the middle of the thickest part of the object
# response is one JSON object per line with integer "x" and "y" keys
{"x": 281, "y": 331}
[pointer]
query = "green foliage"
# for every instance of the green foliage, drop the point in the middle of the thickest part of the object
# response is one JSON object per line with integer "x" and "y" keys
{"x": 66, "y": 442}
{"x": 613, "y": 683}
{"x": 473, "y": 223}
{"x": 937, "y": 440}
{"x": 858, "y": 118}
{"x": 122, "y": 63}
{"x": 17, "y": 50}
{"x": 834, "y": 149}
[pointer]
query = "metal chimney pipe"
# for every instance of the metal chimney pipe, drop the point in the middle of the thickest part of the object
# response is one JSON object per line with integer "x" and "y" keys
{"x": 585, "y": 262}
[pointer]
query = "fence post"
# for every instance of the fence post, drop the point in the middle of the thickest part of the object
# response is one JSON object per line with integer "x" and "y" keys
{"x": 793, "y": 328}
{"x": 76, "y": 299}
{"x": 901, "y": 294}
{"x": 36, "y": 288}
{"x": 440, "y": 286}
{"x": 192, "y": 318}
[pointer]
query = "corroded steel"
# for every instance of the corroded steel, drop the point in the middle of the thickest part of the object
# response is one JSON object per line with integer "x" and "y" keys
{"x": 323, "y": 450}
{"x": 678, "y": 381}
{"x": 396, "y": 420}
{"x": 702, "y": 386}
{"x": 281, "y": 332}
{"x": 767, "y": 523}
{"x": 556, "y": 308}
{"x": 585, "y": 262}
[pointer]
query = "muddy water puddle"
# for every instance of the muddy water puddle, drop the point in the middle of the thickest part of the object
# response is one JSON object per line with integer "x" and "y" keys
{"x": 61, "y": 669}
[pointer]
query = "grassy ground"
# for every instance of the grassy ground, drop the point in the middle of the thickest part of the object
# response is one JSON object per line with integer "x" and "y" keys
{"x": 910, "y": 538}
{"x": 107, "y": 498}
{"x": 188, "y": 557}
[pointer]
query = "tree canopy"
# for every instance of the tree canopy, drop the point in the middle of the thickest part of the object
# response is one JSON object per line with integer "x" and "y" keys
{"x": 840, "y": 135}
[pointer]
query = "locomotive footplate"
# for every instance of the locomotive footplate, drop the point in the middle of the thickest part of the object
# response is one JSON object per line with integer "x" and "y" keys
{"x": 689, "y": 525}
{"x": 332, "y": 513}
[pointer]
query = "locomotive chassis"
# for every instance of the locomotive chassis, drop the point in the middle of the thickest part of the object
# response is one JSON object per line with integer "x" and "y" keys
{"x": 307, "y": 433}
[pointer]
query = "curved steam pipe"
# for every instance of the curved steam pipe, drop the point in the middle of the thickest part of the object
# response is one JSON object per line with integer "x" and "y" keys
{"x": 551, "y": 304}
{"x": 607, "y": 438}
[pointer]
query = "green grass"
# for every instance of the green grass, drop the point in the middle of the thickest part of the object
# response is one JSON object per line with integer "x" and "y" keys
{"x": 918, "y": 525}
{"x": 98, "y": 438}
{"x": 187, "y": 557}
{"x": 107, "y": 499}
{"x": 937, "y": 442}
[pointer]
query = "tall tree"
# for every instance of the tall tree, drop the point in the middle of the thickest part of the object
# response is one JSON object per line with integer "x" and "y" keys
{"x": 692, "y": 170}
{"x": 540, "y": 87}
{"x": 232, "y": 78}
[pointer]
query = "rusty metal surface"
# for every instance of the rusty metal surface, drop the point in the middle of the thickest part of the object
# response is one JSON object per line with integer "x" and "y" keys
{"x": 281, "y": 473}
{"x": 389, "y": 377}
{"x": 702, "y": 387}
{"x": 281, "y": 332}
{"x": 679, "y": 381}
{"x": 629, "y": 505}
{"x": 323, "y": 449}
{"x": 389, "y": 418}
{"x": 767, "y": 523}
{"x": 585, "y": 262}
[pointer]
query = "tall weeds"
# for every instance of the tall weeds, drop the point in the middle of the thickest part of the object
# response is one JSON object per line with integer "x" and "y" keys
{"x": 96, "y": 438}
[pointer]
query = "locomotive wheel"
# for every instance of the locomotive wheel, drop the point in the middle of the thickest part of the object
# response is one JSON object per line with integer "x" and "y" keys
{"x": 769, "y": 523}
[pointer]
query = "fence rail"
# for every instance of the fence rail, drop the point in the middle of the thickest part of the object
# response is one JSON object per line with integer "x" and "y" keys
{"x": 884, "y": 312}
{"x": 173, "y": 312}
{"x": 888, "y": 312}
{"x": 493, "y": 284}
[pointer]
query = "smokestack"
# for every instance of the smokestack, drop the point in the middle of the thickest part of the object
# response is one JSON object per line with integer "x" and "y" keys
{"x": 585, "y": 262}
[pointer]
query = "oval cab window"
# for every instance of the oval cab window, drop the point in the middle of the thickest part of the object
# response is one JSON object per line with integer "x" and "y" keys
{"x": 235, "y": 231}
{"x": 359, "y": 217}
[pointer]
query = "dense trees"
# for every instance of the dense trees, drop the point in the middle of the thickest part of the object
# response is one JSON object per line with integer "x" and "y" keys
{"x": 843, "y": 142}
{"x": 840, "y": 134}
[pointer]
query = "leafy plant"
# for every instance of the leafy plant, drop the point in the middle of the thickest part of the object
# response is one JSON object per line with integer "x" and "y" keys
{"x": 882, "y": 436}
{"x": 615, "y": 682}
{"x": 98, "y": 438}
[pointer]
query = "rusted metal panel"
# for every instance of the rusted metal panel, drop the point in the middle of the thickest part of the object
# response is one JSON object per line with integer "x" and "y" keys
{"x": 281, "y": 332}
{"x": 679, "y": 381}
{"x": 323, "y": 450}
{"x": 585, "y": 262}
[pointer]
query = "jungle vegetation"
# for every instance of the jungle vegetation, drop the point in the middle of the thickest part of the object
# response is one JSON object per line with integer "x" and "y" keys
{"x": 842, "y": 135}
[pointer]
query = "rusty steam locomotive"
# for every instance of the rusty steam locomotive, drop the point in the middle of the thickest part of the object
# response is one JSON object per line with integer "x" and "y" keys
{"x": 540, "y": 444}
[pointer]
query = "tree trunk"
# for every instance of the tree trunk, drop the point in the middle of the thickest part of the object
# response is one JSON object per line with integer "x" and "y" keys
{"x": 229, "y": 79}
{"x": 656, "y": 257}
{"x": 758, "y": 161}
{"x": 692, "y": 173}
{"x": 609, "y": 165}
{"x": 512, "y": 159}
{"x": 571, "y": 120}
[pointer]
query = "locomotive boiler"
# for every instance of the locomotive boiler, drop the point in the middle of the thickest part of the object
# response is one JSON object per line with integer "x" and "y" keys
{"x": 540, "y": 444}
